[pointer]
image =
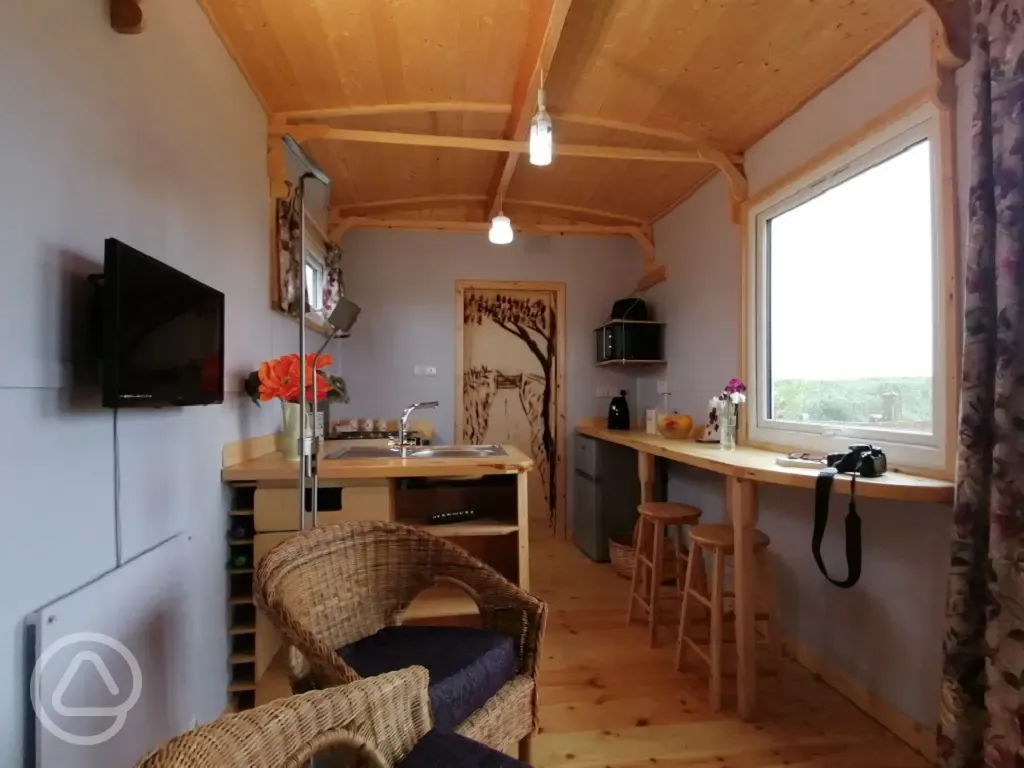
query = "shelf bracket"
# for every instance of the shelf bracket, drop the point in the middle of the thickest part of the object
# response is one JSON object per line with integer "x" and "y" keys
{"x": 126, "y": 17}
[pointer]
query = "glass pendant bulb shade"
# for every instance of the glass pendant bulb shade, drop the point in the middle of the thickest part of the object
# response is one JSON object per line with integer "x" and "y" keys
{"x": 541, "y": 134}
{"x": 501, "y": 230}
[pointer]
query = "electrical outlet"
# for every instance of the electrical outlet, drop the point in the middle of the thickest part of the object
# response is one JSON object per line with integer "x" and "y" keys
{"x": 193, "y": 723}
{"x": 663, "y": 387}
{"x": 424, "y": 370}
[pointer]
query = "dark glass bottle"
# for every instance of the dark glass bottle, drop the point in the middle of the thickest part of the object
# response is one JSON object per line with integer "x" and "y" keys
{"x": 618, "y": 412}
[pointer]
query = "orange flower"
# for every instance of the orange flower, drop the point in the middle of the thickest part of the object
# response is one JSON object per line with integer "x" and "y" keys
{"x": 280, "y": 378}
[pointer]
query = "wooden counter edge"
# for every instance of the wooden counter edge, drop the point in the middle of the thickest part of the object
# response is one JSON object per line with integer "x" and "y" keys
{"x": 274, "y": 467}
{"x": 897, "y": 486}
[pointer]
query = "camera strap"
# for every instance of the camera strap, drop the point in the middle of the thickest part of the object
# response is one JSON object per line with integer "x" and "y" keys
{"x": 822, "y": 490}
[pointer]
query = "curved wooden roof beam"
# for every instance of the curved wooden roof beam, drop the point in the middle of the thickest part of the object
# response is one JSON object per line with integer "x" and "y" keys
{"x": 595, "y": 212}
{"x": 546, "y": 24}
{"x": 642, "y": 130}
{"x": 427, "y": 201}
{"x": 339, "y": 212}
{"x": 413, "y": 107}
{"x": 951, "y": 35}
{"x": 309, "y": 132}
{"x": 429, "y": 225}
{"x": 728, "y": 163}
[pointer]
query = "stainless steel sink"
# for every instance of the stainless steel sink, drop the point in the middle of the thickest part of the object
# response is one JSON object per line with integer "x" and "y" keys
{"x": 456, "y": 451}
{"x": 420, "y": 452}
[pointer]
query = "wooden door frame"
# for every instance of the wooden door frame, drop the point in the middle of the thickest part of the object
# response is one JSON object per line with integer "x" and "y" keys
{"x": 558, "y": 289}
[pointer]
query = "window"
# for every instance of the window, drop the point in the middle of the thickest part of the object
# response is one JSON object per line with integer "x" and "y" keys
{"x": 316, "y": 268}
{"x": 849, "y": 316}
{"x": 314, "y": 281}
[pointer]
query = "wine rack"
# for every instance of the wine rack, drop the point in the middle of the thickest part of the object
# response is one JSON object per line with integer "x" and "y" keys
{"x": 241, "y": 604}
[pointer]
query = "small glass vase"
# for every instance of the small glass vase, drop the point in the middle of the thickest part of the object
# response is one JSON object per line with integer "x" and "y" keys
{"x": 290, "y": 430}
{"x": 728, "y": 417}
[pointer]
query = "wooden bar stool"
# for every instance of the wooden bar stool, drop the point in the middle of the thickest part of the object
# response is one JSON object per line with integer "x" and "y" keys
{"x": 656, "y": 518}
{"x": 718, "y": 539}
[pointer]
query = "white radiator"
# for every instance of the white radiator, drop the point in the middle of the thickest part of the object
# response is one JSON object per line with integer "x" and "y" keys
{"x": 112, "y": 676}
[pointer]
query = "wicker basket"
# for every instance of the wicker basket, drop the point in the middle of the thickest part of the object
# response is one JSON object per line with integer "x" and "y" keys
{"x": 622, "y": 554}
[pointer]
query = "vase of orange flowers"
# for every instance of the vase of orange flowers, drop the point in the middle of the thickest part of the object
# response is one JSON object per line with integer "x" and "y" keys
{"x": 280, "y": 379}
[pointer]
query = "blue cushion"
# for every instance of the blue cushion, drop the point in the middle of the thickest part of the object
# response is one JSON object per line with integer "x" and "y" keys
{"x": 449, "y": 750}
{"x": 467, "y": 666}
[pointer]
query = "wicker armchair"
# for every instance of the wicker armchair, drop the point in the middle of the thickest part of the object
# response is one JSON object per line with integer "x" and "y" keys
{"x": 378, "y": 720}
{"x": 331, "y": 587}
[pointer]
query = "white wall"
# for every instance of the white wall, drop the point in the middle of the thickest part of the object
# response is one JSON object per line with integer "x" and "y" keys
{"x": 886, "y": 632}
{"x": 158, "y": 141}
{"x": 405, "y": 283}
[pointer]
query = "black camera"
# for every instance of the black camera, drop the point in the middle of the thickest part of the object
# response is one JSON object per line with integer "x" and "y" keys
{"x": 863, "y": 460}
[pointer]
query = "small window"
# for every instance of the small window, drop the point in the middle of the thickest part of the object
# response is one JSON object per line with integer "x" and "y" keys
{"x": 849, "y": 316}
{"x": 315, "y": 270}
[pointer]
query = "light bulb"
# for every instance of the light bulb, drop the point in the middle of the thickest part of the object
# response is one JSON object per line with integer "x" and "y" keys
{"x": 500, "y": 232}
{"x": 541, "y": 137}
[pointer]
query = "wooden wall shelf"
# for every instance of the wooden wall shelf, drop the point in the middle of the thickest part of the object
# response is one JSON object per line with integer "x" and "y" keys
{"x": 480, "y": 527}
{"x": 630, "y": 362}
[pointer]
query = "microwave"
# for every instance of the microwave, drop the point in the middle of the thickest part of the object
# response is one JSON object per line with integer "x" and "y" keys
{"x": 622, "y": 341}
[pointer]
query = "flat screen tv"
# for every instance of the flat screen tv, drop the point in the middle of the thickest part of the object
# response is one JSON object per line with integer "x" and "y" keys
{"x": 163, "y": 334}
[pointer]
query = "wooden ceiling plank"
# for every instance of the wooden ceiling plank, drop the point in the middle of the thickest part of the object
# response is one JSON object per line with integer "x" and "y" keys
{"x": 480, "y": 107}
{"x": 547, "y": 22}
{"x": 205, "y": 5}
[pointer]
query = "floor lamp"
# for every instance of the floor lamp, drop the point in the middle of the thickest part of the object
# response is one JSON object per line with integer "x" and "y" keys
{"x": 340, "y": 321}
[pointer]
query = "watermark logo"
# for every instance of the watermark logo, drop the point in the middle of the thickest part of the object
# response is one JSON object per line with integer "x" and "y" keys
{"x": 84, "y": 657}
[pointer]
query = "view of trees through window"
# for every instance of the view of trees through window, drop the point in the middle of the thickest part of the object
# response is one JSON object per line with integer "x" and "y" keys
{"x": 850, "y": 299}
{"x": 901, "y": 403}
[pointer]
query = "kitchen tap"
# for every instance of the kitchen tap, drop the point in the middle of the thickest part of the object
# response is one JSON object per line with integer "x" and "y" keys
{"x": 403, "y": 423}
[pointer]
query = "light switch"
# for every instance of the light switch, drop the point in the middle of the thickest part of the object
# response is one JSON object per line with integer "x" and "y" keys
{"x": 663, "y": 387}
{"x": 424, "y": 370}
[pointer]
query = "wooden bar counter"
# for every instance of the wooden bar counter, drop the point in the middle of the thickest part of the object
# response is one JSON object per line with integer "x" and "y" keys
{"x": 743, "y": 468}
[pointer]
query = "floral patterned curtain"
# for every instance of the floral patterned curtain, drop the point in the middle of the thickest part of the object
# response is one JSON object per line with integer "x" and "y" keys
{"x": 289, "y": 239}
{"x": 982, "y": 709}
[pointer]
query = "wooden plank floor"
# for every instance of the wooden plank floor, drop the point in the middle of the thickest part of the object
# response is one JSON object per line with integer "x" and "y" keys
{"x": 606, "y": 699}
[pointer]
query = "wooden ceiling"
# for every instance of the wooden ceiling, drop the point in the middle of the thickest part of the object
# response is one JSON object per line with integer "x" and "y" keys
{"x": 689, "y": 76}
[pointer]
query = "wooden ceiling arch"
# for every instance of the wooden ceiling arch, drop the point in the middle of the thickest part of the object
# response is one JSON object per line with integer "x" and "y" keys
{"x": 420, "y": 111}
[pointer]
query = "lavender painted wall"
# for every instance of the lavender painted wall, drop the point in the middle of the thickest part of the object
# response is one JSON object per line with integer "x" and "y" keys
{"x": 405, "y": 283}
{"x": 156, "y": 140}
{"x": 887, "y": 632}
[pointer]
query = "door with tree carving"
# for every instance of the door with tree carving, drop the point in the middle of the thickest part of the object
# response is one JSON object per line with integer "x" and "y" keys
{"x": 510, "y": 388}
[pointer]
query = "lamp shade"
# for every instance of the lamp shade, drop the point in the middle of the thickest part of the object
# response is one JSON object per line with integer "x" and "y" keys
{"x": 541, "y": 138}
{"x": 501, "y": 230}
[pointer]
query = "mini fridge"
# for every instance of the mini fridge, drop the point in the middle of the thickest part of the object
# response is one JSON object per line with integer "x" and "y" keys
{"x": 606, "y": 492}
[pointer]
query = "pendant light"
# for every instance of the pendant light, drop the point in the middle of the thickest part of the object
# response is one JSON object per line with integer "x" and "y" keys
{"x": 541, "y": 131}
{"x": 500, "y": 232}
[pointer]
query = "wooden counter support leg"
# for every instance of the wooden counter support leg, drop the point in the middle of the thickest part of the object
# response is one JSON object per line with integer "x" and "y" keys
{"x": 741, "y": 498}
{"x": 646, "y": 468}
{"x": 523, "y": 502}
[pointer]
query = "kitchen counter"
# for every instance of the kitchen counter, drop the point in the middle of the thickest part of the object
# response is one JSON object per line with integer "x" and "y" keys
{"x": 264, "y": 512}
{"x": 274, "y": 467}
